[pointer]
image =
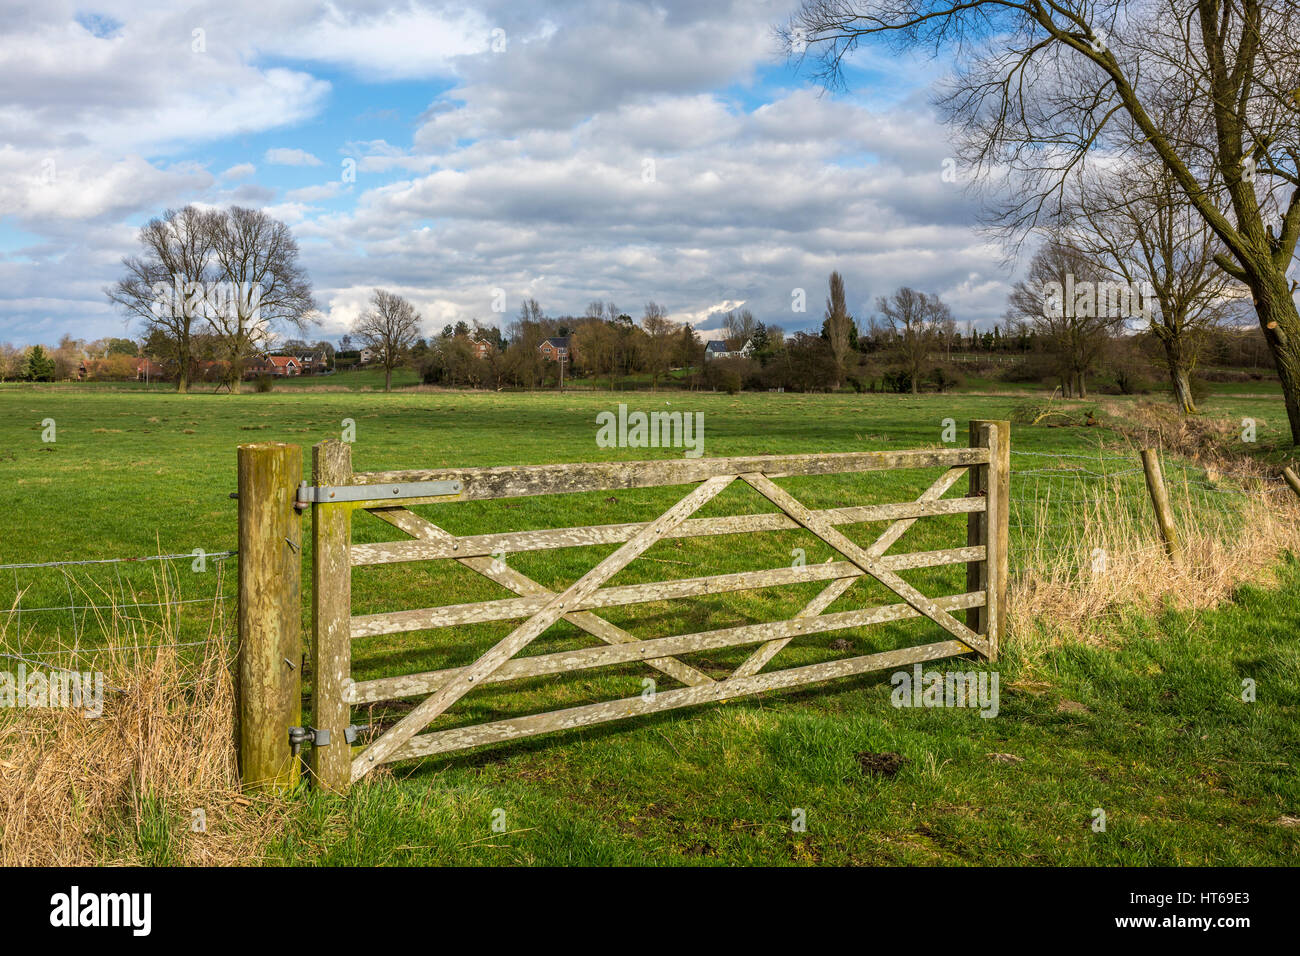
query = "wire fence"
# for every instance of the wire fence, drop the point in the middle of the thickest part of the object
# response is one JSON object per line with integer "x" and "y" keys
{"x": 69, "y": 616}
{"x": 1064, "y": 506}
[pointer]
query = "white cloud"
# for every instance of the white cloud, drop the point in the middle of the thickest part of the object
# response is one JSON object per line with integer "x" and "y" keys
{"x": 314, "y": 193}
{"x": 409, "y": 42}
{"x": 526, "y": 174}
{"x": 283, "y": 156}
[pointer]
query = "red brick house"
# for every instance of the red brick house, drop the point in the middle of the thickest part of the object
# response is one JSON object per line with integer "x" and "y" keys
{"x": 284, "y": 365}
{"x": 555, "y": 348}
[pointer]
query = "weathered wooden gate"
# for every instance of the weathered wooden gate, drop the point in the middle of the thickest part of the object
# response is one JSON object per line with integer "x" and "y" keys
{"x": 338, "y": 492}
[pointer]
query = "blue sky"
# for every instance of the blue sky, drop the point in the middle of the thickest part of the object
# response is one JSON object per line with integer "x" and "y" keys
{"x": 567, "y": 151}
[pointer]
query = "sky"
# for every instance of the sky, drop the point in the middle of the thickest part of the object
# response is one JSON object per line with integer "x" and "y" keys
{"x": 468, "y": 156}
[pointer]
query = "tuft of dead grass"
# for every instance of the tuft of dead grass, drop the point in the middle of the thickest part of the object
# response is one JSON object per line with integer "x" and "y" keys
{"x": 1073, "y": 579}
{"x": 122, "y": 788}
{"x": 1213, "y": 443}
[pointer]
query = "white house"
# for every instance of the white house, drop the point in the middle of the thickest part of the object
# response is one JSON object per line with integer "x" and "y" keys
{"x": 716, "y": 349}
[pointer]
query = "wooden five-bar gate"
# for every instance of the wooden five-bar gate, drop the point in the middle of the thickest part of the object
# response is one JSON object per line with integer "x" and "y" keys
{"x": 270, "y": 702}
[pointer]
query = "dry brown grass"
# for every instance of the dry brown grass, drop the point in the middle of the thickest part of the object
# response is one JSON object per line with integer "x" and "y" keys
{"x": 120, "y": 788}
{"x": 1213, "y": 443}
{"x": 1079, "y": 568}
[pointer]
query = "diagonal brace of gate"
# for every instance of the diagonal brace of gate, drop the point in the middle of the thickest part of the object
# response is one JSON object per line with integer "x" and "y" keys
{"x": 521, "y": 584}
{"x": 530, "y": 630}
{"x": 833, "y": 591}
{"x": 859, "y": 556}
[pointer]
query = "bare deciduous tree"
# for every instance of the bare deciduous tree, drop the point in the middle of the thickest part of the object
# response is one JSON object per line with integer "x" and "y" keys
{"x": 1041, "y": 89}
{"x": 265, "y": 287}
{"x": 390, "y": 326}
{"x": 595, "y": 347}
{"x": 1136, "y": 225}
{"x": 659, "y": 330}
{"x": 157, "y": 289}
{"x": 914, "y": 320}
{"x": 230, "y": 276}
{"x": 738, "y": 328}
{"x": 1058, "y": 298}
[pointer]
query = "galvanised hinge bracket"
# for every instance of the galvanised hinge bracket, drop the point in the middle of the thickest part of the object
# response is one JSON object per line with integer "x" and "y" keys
{"x": 327, "y": 494}
{"x": 320, "y": 738}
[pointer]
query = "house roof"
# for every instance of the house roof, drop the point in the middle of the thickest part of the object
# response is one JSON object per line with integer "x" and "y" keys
{"x": 716, "y": 345}
{"x": 557, "y": 342}
{"x": 282, "y": 361}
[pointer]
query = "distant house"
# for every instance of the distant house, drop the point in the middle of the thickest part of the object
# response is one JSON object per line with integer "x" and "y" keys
{"x": 483, "y": 348}
{"x": 285, "y": 365}
{"x": 313, "y": 363}
{"x": 147, "y": 370}
{"x": 258, "y": 366}
{"x": 716, "y": 349}
{"x": 369, "y": 355}
{"x": 555, "y": 348}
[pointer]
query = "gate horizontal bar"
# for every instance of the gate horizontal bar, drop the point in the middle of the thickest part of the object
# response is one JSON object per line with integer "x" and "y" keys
{"x": 519, "y": 481}
{"x": 563, "y": 662}
{"x": 516, "y": 542}
{"x": 462, "y": 738}
{"x": 505, "y": 609}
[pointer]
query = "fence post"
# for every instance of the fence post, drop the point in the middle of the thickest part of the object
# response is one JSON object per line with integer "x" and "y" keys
{"x": 269, "y": 684}
{"x": 1291, "y": 480}
{"x": 990, "y": 529}
{"x": 331, "y": 577}
{"x": 1160, "y": 500}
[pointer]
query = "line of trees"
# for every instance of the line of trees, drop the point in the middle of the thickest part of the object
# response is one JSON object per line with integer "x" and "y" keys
{"x": 108, "y": 359}
{"x": 910, "y": 343}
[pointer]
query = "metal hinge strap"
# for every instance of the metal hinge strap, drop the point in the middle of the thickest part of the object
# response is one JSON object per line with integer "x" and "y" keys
{"x": 328, "y": 494}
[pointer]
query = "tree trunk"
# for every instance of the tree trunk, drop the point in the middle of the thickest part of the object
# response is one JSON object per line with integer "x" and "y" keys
{"x": 1281, "y": 324}
{"x": 388, "y": 379}
{"x": 1180, "y": 377}
{"x": 1183, "y": 390}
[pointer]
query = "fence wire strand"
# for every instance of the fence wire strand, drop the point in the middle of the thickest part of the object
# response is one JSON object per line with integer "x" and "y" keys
{"x": 1044, "y": 523}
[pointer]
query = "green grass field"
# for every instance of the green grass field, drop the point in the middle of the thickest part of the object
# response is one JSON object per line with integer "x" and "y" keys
{"x": 1151, "y": 730}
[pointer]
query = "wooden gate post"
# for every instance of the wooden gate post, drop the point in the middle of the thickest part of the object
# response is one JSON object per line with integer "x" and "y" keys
{"x": 990, "y": 528}
{"x": 269, "y": 685}
{"x": 1160, "y": 501}
{"x": 331, "y": 765}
